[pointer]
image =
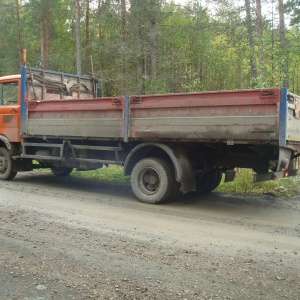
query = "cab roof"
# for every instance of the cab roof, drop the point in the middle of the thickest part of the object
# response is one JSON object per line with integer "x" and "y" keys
{"x": 10, "y": 77}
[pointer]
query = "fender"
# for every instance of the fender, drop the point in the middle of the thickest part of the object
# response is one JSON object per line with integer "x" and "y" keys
{"x": 6, "y": 141}
{"x": 183, "y": 168}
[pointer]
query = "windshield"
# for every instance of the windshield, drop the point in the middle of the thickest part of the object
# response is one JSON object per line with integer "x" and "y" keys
{"x": 8, "y": 93}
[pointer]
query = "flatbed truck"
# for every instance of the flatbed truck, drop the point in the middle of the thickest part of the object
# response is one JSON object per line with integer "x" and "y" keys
{"x": 165, "y": 142}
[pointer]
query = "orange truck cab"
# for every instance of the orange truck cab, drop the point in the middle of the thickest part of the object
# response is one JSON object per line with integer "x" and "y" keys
{"x": 10, "y": 108}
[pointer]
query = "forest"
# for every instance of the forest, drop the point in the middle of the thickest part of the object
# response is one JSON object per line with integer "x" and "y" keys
{"x": 157, "y": 46}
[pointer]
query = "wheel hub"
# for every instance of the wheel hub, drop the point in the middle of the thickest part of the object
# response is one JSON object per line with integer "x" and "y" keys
{"x": 152, "y": 179}
{"x": 149, "y": 181}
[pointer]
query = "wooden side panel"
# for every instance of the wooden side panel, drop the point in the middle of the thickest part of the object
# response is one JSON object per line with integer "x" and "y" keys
{"x": 83, "y": 118}
{"x": 244, "y": 115}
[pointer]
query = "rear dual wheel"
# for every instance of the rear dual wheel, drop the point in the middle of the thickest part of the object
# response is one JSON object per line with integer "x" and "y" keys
{"x": 6, "y": 165}
{"x": 208, "y": 181}
{"x": 153, "y": 180}
{"x": 61, "y": 171}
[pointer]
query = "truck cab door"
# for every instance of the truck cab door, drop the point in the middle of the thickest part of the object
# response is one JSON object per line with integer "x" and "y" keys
{"x": 10, "y": 109}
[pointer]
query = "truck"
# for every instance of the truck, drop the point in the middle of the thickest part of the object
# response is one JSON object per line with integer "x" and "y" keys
{"x": 166, "y": 143}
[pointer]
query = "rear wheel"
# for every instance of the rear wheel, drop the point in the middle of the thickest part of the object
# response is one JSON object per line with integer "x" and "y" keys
{"x": 61, "y": 171}
{"x": 152, "y": 180}
{"x": 6, "y": 165}
{"x": 208, "y": 181}
{"x": 217, "y": 179}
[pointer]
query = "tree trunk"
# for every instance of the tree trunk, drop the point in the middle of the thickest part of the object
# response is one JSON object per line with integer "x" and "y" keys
{"x": 87, "y": 35}
{"x": 139, "y": 47}
{"x": 78, "y": 37}
{"x": 284, "y": 61}
{"x": 101, "y": 82}
{"x": 47, "y": 36}
{"x": 153, "y": 42}
{"x": 18, "y": 32}
{"x": 123, "y": 40}
{"x": 139, "y": 63}
{"x": 253, "y": 71}
{"x": 42, "y": 30}
{"x": 260, "y": 43}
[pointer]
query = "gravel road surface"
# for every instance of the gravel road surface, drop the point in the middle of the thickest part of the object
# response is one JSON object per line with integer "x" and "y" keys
{"x": 71, "y": 238}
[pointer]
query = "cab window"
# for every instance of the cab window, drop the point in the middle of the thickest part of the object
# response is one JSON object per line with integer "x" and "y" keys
{"x": 8, "y": 93}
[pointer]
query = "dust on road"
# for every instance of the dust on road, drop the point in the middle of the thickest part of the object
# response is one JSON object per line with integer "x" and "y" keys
{"x": 71, "y": 238}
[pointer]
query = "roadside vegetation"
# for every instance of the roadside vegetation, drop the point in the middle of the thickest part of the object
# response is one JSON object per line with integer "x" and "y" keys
{"x": 287, "y": 187}
{"x": 110, "y": 173}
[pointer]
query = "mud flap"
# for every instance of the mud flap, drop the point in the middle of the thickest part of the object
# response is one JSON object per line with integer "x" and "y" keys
{"x": 188, "y": 181}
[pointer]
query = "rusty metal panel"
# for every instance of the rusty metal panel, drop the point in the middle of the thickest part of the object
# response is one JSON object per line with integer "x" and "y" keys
{"x": 239, "y": 116}
{"x": 87, "y": 118}
{"x": 246, "y": 115}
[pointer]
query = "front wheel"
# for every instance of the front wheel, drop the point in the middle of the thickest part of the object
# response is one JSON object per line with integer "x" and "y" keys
{"x": 152, "y": 180}
{"x": 6, "y": 165}
{"x": 61, "y": 171}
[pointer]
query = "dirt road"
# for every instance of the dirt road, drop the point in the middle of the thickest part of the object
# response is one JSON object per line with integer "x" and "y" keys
{"x": 68, "y": 238}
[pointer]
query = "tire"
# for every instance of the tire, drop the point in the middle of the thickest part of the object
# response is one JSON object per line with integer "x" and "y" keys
{"x": 6, "y": 166}
{"x": 175, "y": 194}
{"x": 152, "y": 180}
{"x": 217, "y": 179}
{"x": 206, "y": 182}
{"x": 61, "y": 171}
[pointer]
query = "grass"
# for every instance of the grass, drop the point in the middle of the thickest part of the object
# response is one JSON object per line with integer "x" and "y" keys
{"x": 286, "y": 187}
{"x": 110, "y": 173}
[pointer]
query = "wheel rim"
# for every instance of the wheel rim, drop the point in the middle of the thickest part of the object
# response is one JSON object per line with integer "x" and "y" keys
{"x": 3, "y": 164}
{"x": 149, "y": 181}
